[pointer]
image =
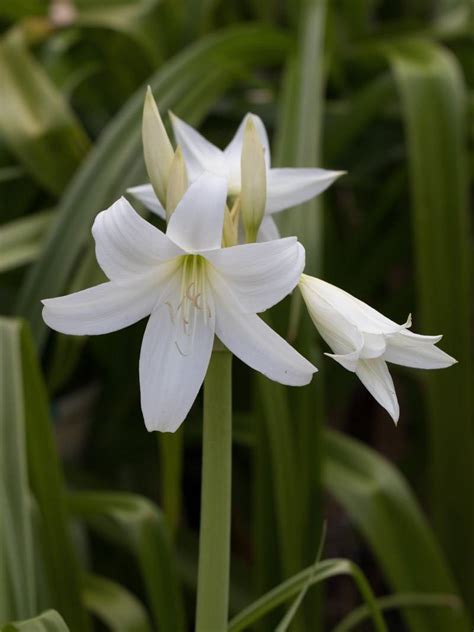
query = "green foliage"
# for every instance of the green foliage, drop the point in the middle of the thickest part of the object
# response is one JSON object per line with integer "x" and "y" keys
{"x": 310, "y": 576}
{"x": 135, "y": 523}
{"x": 373, "y": 492}
{"x": 115, "y": 606}
{"x": 20, "y": 240}
{"x": 434, "y": 98}
{"x": 49, "y": 621}
{"x": 36, "y": 119}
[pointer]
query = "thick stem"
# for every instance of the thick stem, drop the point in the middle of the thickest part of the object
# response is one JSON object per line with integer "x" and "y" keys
{"x": 214, "y": 536}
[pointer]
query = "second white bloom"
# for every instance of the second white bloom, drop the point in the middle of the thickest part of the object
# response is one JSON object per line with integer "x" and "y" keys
{"x": 363, "y": 340}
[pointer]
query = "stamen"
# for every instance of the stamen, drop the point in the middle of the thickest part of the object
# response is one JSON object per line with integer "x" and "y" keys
{"x": 192, "y": 303}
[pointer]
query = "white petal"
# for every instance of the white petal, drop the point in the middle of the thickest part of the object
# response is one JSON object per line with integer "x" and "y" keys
{"x": 260, "y": 275}
{"x": 233, "y": 151}
{"x": 348, "y": 360}
{"x": 256, "y": 344}
{"x": 101, "y": 309}
{"x": 128, "y": 245}
{"x": 361, "y": 315}
{"x": 335, "y": 328}
{"x": 172, "y": 369}
{"x": 268, "y": 229}
{"x": 199, "y": 154}
{"x": 374, "y": 346}
{"x": 197, "y": 221}
{"x": 376, "y": 378}
{"x": 145, "y": 194}
{"x": 289, "y": 187}
{"x": 417, "y": 351}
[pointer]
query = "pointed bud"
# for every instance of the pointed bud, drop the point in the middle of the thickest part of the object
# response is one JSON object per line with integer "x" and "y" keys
{"x": 157, "y": 147}
{"x": 230, "y": 233}
{"x": 177, "y": 182}
{"x": 254, "y": 181}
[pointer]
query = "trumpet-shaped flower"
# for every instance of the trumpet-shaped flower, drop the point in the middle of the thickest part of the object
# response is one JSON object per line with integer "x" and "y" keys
{"x": 284, "y": 187}
{"x": 363, "y": 340}
{"x": 191, "y": 289}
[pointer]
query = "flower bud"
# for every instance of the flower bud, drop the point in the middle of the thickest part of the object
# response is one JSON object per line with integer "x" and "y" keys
{"x": 157, "y": 147}
{"x": 253, "y": 181}
{"x": 177, "y": 182}
{"x": 230, "y": 234}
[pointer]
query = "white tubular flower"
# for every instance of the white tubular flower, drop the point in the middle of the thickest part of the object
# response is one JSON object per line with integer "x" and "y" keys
{"x": 363, "y": 340}
{"x": 285, "y": 187}
{"x": 191, "y": 289}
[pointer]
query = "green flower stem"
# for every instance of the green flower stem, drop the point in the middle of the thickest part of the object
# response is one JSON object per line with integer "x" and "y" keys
{"x": 214, "y": 536}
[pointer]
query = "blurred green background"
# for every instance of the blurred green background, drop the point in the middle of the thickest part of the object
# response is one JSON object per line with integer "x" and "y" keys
{"x": 99, "y": 519}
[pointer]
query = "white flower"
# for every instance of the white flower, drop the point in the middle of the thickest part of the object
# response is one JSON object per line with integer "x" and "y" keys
{"x": 192, "y": 289}
{"x": 363, "y": 340}
{"x": 285, "y": 187}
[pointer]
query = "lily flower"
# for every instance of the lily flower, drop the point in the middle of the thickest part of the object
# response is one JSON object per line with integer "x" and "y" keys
{"x": 192, "y": 290}
{"x": 284, "y": 187}
{"x": 363, "y": 340}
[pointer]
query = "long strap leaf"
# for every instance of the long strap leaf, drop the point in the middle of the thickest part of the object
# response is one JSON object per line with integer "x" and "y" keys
{"x": 292, "y": 586}
{"x": 28, "y": 401}
{"x": 114, "y": 605}
{"x": 434, "y": 109}
{"x": 36, "y": 120}
{"x": 49, "y": 621}
{"x": 380, "y": 503}
{"x": 135, "y": 523}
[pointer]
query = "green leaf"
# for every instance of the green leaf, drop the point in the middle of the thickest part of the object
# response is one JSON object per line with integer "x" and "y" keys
{"x": 114, "y": 605}
{"x": 49, "y": 621}
{"x": 21, "y": 239}
{"x": 434, "y": 109}
{"x": 130, "y": 18}
{"x": 36, "y": 121}
{"x": 112, "y": 165}
{"x": 400, "y": 601}
{"x": 291, "y": 612}
{"x": 135, "y": 523}
{"x": 17, "y": 587}
{"x": 28, "y": 407}
{"x": 380, "y": 503}
{"x": 284, "y": 591}
{"x": 280, "y": 441}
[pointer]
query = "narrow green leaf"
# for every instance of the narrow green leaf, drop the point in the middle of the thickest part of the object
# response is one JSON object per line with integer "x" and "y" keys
{"x": 49, "y": 621}
{"x": 400, "y": 601}
{"x": 133, "y": 19}
{"x": 434, "y": 109}
{"x": 17, "y": 588}
{"x": 47, "y": 485}
{"x": 36, "y": 121}
{"x": 114, "y": 605}
{"x": 135, "y": 523}
{"x": 284, "y": 591}
{"x": 379, "y": 501}
{"x": 21, "y": 239}
{"x": 290, "y": 614}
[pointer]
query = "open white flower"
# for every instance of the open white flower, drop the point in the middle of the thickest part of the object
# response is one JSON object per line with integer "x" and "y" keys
{"x": 192, "y": 289}
{"x": 363, "y": 340}
{"x": 285, "y": 187}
